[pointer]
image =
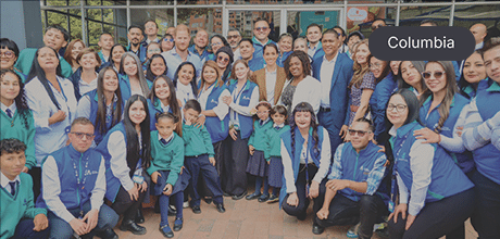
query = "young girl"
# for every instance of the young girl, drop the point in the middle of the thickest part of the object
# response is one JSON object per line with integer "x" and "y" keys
{"x": 257, "y": 164}
{"x": 167, "y": 153}
{"x": 185, "y": 83}
{"x": 272, "y": 151}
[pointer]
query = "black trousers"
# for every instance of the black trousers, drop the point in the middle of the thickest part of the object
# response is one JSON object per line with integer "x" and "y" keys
{"x": 36, "y": 174}
{"x": 486, "y": 217}
{"x": 235, "y": 162}
{"x": 300, "y": 185}
{"x": 343, "y": 211}
{"x": 123, "y": 204}
{"x": 436, "y": 219}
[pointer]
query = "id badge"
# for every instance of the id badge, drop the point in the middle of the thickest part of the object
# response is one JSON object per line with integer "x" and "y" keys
{"x": 391, "y": 206}
{"x": 138, "y": 179}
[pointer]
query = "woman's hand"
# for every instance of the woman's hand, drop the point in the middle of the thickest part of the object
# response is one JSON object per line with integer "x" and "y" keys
{"x": 143, "y": 187}
{"x": 227, "y": 100}
{"x": 401, "y": 208}
{"x": 409, "y": 221}
{"x": 293, "y": 200}
{"x": 251, "y": 149}
{"x": 233, "y": 134}
{"x": 427, "y": 134}
{"x": 57, "y": 117}
{"x": 343, "y": 131}
{"x": 134, "y": 193}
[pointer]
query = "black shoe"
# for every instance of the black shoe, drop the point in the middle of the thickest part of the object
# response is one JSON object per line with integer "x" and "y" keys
{"x": 178, "y": 224}
{"x": 317, "y": 229}
{"x": 208, "y": 200}
{"x": 238, "y": 197}
{"x": 166, "y": 231}
{"x": 253, "y": 196}
{"x": 196, "y": 209}
{"x": 220, "y": 208}
{"x": 133, "y": 227}
{"x": 139, "y": 218}
{"x": 226, "y": 194}
{"x": 273, "y": 199}
{"x": 107, "y": 234}
{"x": 263, "y": 197}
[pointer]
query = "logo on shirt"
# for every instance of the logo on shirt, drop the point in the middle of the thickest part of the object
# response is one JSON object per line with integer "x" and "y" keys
{"x": 214, "y": 102}
{"x": 246, "y": 98}
{"x": 91, "y": 172}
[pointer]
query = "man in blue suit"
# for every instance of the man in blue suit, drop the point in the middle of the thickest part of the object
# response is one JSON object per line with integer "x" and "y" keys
{"x": 334, "y": 71}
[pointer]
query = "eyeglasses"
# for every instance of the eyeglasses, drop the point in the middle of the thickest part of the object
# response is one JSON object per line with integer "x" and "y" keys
{"x": 374, "y": 27}
{"x": 376, "y": 65}
{"x": 232, "y": 36}
{"x": 7, "y": 54}
{"x": 80, "y": 135}
{"x": 398, "y": 107}
{"x": 169, "y": 40}
{"x": 262, "y": 112}
{"x": 437, "y": 74}
{"x": 216, "y": 44}
{"x": 154, "y": 51}
{"x": 361, "y": 133}
{"x": 223, "y": 59}
{"x": 261, "y": 29}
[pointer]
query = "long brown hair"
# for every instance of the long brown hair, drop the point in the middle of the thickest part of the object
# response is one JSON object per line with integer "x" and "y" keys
{"x": 213, "y": 65}
{"x": 359, "y": 70}
{"x": 233, "y": 71}
{"x": 116, "y": 112}
{"x": 172, "y": 101}
{"x": 67, "y": 54}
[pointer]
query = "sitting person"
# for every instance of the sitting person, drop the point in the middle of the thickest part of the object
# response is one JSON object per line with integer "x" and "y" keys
{"x": 356, "y": 173}
{"x": 19, "y": 217}
{"x": 73, "y": 188}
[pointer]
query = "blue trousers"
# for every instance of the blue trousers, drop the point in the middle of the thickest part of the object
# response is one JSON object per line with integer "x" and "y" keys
{"x": 24, "y": 230}
{"x": 165, "y": 202}
{"x": 60, "y": 229}
{"x": 326, "y": 120}
{"x": 201, "y": 165}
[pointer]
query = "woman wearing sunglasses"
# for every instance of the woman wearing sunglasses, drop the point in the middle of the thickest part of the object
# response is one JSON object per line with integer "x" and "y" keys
{"x": 435, "y": 196}
{"x": 167, "y": 43}
{"x": 224, "y": 59}
{"x": 216, "y": 42}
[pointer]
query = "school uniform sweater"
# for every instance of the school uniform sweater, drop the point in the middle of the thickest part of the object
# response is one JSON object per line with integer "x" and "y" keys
{"x": 273, "y": 142}
{"x": 197, "y": 141}
{"x": 14, "y": 128}
{"x": 169, "y": 157}
{"x": 258, "y": 138}
{"x": 21, "y": 205}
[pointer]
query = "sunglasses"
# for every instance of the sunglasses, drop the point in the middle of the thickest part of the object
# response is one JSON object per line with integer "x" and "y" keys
{"x": 233, "y": 36}
{"x": 437, "y": 74}
{"x": 223, "y": 59}
{"x": 360, "y": 133}
{"x": 261, "y": 29}
{"x": 170, "y": 40}
{"x": 80, "y": 135}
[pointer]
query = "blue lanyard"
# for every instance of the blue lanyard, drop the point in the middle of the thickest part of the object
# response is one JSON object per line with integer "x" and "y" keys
{"x": 394, "y": 177}
{"x": 62, "y": 90}
{"x": 79, "y": 182}
{"x": 238, "y": 96}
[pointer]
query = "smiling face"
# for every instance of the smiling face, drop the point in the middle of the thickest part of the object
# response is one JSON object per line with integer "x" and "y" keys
{"x": 360, "y": 128}
{"x": 201, "y": 39}
{"x": 54, "y": 39}
{"x": 246, "y": 50}
{"x": 106, "y": 42}
{"x": 278, "y": 118}
{"x": 330, "y": 44}
{"x": 167, "y": 44}
{"x": 285, "y": 44}
{"x": 222, "y": 60}
{"x": 303, "y": 119}
{"x": 182, "y": 39}
{"x": 397, "y": 110}
{"x": 158, "y": 66}
{"x": 77, "y": 48}
{"x": 410, "y": 74}
{"x": 47, "y": 59}
{"x": 162, "y": 90}
{"x": 362, "y": 53}
{"x": 353, "y": 40}
{"x": 492, "y": 63}
{"x": 263, "y": 112}
{"x": 437, "y": 80}
{"x": 233, "y": 38}
{"x": 12, "y": 164}
{"x": 241, "y": 71}
{"x": 377, "y": 66}
{"x": 110, "y": 81}
{"x": 165, "y": 127}
{"x": 296, "y": 67}
{"x": 135, "y": 36}
{"x": 153, "y": 49}
{"x": 395, "y": 67}
{"x": 150, "y": 28}
{"x": 216, "y": 44}
{"x": 209, "y": 75}
{"x": 9, "y": 87}
{"x": 7, "y": 59}
{"x": 270, "y": 56}
{"x": 474, "y": 69}
{"x": 130, "y": 66}
{"x": 261, "y": 30}
{"x": 186, "y": 74}
{"x": 300, "y": 44}
{"x": 191, "y": 115}
{"x": 88, "y": 61}
{"x": 117, "y": 54}
{"x": 137, "y": 112}
{"x": 81, "y": 144}
{"x": 314, "y": 34}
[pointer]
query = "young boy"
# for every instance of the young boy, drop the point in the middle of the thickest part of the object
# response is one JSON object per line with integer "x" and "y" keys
{"x": 200, "y": 157}
{"x": 16, "y": 196}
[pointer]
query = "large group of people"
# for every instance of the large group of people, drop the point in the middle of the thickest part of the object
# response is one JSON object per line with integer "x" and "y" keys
{"x": 87, "y": 136}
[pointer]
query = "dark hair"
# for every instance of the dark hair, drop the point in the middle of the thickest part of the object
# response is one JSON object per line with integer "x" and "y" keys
{"x": 412, "y": 103}
{"x": 280, "y": 109}
{"x": 37, "y": 71}
{"x": 314, "y": 25}
{"x": 420, "y": 66}
{"x": 172, "y": 101}
{"x": 261, "y": 20}
{"x": 304, "y": 107}
{"x": 134, "y": 151}
{"x": 385, "y": 71}
{"x": 68, "y": 55}
{"x": 149, "y": 74}
{"x": 135, "y": 26}
{"x": 116, "y": 113}
{"x": 151, "y": 20}
{"x": 87, "y": 51}
{"x": 379, "y": 19}
{"x": 429, "y": 21}
{"x": 340, "y": 28}
{"x": 270, "y": 45}
{"x": 194, "y": 105}
{"x": 369, "y": 122}
{"x": 111, "y": 53}
{"x": 167, "y": 115}
{"x": 82, "y": 121}
{"x": 490, "y": 44}
{"x": 106, "y": 33}
{"x": 331, "y": 31}
{"x": 462, "y": 82}
{"x": 61, "y": 29}
{"x": 283, "y": 35}
{"x": 20, "y": 100}
{"x": 218, "y": 82}
{"x": 223, "y": 39}
{"x": 10, "y": 146}
{"x": 304, "y": 59}
{"x": 193, "y": 81}
{"x": 247, "y": 40}
{"x": 6, "y": 43}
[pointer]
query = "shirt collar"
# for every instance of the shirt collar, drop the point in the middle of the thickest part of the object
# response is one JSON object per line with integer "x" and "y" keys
{"x": 272, "y": 72}
{"x": 184, "y": 88}
{"x": 265, "y": 121}
{"x": 333, "y": 60}
{"x": 167, "y": 139}
{"x": 479, "y": 46}
{"x": 12, "y": 107}
{"x": 281, "y": 125}
{"x": 174, "y": 51}
{"x": 5, "y": 181}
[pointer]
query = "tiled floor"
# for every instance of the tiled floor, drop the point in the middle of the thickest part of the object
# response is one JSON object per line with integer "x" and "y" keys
{"x": 243, "y": 219}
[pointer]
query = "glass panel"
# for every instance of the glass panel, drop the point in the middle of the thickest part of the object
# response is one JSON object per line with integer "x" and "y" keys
{"x": 57, "y": 19}
{"x": 163, "y": 17}
{"x": 56, "y": 3}
{"x": 209, "y": 19}
{"x": 94, "y": 14}
{"x": 243, "y": 20}
{"x": 73, "y": 2}
{"x": 468, "y": 15}
{"x": 75, "y": 27}
{"x": 413, "y": 16}
{"x": 283, "y": 1}
{"x": 94, "y": 32}
{"x": 194, "y": 2}
{"x": 151, "y": 2}
{"x": 111, "y": 3}
{"x": 108, "y": 15}
{"x": 93, "y": 2}
{"x": 298, "y": 21}
{"x": 44, "y": 23}
{"x": 75, "y": 12}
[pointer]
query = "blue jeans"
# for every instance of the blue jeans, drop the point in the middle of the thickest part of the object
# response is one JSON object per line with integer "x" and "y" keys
{"x": 25, "y": 230}
{"x": 60, "y": 229}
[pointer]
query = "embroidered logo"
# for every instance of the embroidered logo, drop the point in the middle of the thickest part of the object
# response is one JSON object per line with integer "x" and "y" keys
{"x": 246, "y": 98}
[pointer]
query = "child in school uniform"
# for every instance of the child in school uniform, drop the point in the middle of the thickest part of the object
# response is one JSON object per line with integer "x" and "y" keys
{"x": 272, "y": 151}
{"x": 257, "y": 164}
{"x": 167, "y": 152}
{"x": 200, "y": 157}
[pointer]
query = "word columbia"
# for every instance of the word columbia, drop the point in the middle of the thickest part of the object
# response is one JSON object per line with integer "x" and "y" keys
{"x": 411, "y": 43}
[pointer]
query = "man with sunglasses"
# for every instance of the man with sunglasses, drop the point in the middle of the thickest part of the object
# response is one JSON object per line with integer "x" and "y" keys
{"x": 200, "y": 44}
{"x": 234, "y": 38}
{"x": 74, "y": 184}
{"x": 352, "y": 192}
{"x": 261, "y": 31}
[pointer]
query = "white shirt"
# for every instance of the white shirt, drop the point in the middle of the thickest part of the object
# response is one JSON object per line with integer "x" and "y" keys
{"x": 165, "y": 108}
{"x": 236, "y": 108}
{"x": 271, "y": 85}
{"x": 306, "y": 91}
{"x": 221, "y": 109}
{"x": 86, "y": 87}
{"x": 167, "y": 139}
{"x": 12, "y": 108}
{"x": 326, "y": 75}
{"x": 237, "y": 55}
{"x": 5, "y": 182}
{"x": 184, "y": 93}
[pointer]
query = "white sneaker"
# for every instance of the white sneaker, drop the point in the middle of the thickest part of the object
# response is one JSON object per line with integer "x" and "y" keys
{"x": 185, "y": 205}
